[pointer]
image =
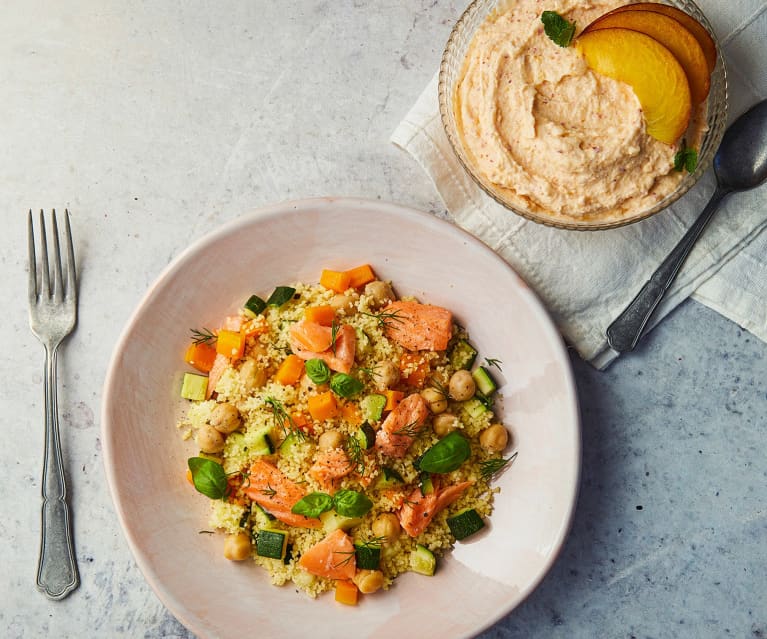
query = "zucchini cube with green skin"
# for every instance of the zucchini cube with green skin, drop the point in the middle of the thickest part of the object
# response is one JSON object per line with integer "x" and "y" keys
{"x": 484, "y": 381}
{"x": 465, "y": 523}
{"x": 366, "y": 436}
{"x": 372, "y": 407}
{"x": 389, "y": 478}
{"x": 271, "y": 543}
{"x": 368, "y": 556}
{"x": 423, "y": 561}
{"x": 462, "y": 355}
{"x": 331, "y": 521}
{"x": 194, "y": 387}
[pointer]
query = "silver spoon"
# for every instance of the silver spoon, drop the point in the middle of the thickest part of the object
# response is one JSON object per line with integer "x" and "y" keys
{"x": 740, "y": 164}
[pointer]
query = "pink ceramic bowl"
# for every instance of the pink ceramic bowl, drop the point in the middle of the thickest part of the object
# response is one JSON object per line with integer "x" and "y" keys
{"x": 476, "y": 584}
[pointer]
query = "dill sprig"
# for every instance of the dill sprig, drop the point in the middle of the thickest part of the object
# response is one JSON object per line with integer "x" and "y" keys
{"x": 492, "y": 361}
{"x": 490, "y": 467}
{"x": 349, "y": 555}
{"x": 205, "y": 336}
{"x": 356, "y": 454}
{"x": 386, "y": 319}
{"x": 370, "y": 372}
{"x": 282, "y": 418}
{"x": 334, "y": 326}
{"x": 413, "y": 429}
{"x": 269, "y": 491}
{"x": 438, "y": 386}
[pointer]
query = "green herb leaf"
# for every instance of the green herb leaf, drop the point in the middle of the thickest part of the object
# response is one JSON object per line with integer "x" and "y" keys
{"x": 492, "y": 361}
{"x": 280, "y": 295}
{"x": 345, "y": 385}
{"x": 559, "y": 30}
{"x": 350, "y": 503}
{"x": 686, "y": 158}
{"x": 208, "y": 477}
{"x": 255, "y": 304}
{"x": 313, "y": 505}
{"x": 317, "y": 370}
{"x": 446, "y": 455}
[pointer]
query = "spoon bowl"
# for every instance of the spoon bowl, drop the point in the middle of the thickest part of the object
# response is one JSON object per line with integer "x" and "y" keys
{"x": 740, "y": 162}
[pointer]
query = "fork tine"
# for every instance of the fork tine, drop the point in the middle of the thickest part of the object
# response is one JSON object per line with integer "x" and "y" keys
{"x": 58, "y": 280}
{"x": 32, "y": 260}
{"x": 44, "y": 256}
{"x": 71, "y": 290}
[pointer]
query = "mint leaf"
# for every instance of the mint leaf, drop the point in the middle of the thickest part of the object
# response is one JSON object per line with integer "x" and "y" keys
{"x": 312, "y": 505}
{"x": 208, "y": 477}
{"x": 686, "y": 158}
{"x": 557, "y": 28}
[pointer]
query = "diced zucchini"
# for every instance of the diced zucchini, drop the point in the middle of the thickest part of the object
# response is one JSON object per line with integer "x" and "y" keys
{"x": 372, "y": 407}
{"x": 422, "y": 560}
{"x": 484, "y": 381}
{"x": 465, "y": 523}
{"x": 288, "y": 554}
{"x": 389, "y": 478}
{"x": 271, "y": 543}
{"x": 194, "y": 387}
{"x": 290, "y": 444}
{"x": 331, "y": 521}
{"x": 253, "y": 306}
{"x": 475, "y": 408}
{"x": 462, "y": 355}
{"x": 366, "y": 436}
{"x": 262, "y": 443}
{"x": 368, "y": 556}
{"x": 363, "y": 342}
{"x": 427, "y": 485}
{"x": 263, "y": 516}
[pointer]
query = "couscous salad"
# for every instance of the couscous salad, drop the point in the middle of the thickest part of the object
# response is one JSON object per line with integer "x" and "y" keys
{"x": 345, "y": 436}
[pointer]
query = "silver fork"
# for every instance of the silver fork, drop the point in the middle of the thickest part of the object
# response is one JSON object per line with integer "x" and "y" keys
{"x": 52, "y": 316}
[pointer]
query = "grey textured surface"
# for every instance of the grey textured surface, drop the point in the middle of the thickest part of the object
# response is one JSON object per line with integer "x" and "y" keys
{"x": 153, "y": 123}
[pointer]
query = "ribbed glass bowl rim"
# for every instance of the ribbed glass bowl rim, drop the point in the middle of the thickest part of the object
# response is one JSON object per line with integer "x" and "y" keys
{"x": 716, "y": 118}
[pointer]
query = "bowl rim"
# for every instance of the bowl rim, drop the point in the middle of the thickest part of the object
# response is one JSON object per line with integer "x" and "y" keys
{"x": 445, "y": 105}
{"x": 110, "y": 389}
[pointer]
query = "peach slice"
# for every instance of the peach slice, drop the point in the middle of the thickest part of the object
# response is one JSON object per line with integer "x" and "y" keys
{"x": 671, "y": 34}
{"x": 658, "y": 80}
{"x": 703, "y": 37}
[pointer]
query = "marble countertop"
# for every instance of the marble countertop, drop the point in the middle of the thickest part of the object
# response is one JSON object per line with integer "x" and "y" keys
{"x": 154, "y": 123}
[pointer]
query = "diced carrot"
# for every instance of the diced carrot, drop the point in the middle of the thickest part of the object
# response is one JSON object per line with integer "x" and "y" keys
{"x": 189, "y": 476}
{"x": 346, "y": 592}
{"x": 323, "y": 315}
{"x": 290, "y": 370}
{"x": 414, "y": 369}
{"x": 300, "y": 422}
{"x": 337, "y": 281}
{"x": 201, "y": 356}
{"x": 230, "y": 344}
{"x": 323, "y": 406}
{"x": 393, "y": 398}
{"x": 361, "y": 275}
{"x": 256, "y": 326}
{"x": 351, "y": 413}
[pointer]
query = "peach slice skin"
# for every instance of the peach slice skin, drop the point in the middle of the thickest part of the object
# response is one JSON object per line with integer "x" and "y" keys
{"x": 651, "y": 70}
{"x": 703, "y": 37}
{"x": 671, "y": 34}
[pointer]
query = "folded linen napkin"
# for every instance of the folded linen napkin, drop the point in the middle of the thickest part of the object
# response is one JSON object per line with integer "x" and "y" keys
{"x": 586, "y": 279}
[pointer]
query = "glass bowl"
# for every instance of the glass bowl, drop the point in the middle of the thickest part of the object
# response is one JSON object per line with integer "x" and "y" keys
{"x": 450, "y": 74}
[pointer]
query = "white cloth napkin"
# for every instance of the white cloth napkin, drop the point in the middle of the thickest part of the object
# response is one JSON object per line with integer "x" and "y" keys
{"x": 587, "y": 278}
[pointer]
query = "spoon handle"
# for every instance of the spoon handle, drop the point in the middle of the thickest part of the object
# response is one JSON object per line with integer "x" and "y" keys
{"x": 624, "y": 333}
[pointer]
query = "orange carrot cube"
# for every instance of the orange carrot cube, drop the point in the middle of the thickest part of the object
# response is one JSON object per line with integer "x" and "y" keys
{"x": 290, "y": 370}
{"x": 393, "y": 397}
{"x": 361, "y": 275}
{"x": 230, "y": 344}
{"x": 323, "y": 406}
{"x": 201, "y": 356}
{"x": 346, "y": 592}
{"x": 337, "y": 281}
{"x": 323, "y": 315}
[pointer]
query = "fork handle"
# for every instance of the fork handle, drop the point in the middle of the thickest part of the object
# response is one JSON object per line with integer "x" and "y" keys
{"x": 57, "y": 568}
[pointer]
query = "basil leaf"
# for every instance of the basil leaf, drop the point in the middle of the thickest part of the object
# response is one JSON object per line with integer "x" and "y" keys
{"x": 317, "y": 370}
{"x": 345, "y": 385}
{"x": 313, "y": 505}
{"x": 446, "y": 455}
{"x": 208, "y": 477}
{"x": 559, "y": 30}
{"x": 350, "y": 503}
{"x": 280, "y": 295}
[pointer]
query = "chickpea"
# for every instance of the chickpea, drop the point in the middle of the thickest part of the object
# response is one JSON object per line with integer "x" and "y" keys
{"x": 444, "y": 424}
{"x": 368, "y": 580}
{"x": 225, "y": 418}
{"x": 494, "y": 438}
{"x": 237, "y": 547}
{"x": 386, "y": 525}
{"x": 435, "y": 399}
{"x": 252, "y": 375}
{"x": 385, "y": 375}
{"x": 209, "y": 439}
{"x": 331, "y": 439}
{"x": 380, "y": 292}
{"x": 344, "y": 302}
{"x": 462, "y": 386}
